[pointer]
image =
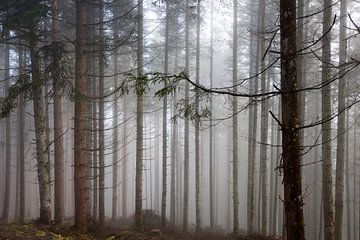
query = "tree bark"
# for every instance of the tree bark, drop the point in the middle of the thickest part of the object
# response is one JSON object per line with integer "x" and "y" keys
{"x": 341, "y": 134}
{"x": 328, "y": 199}
{"x": 80, "y": 168}
{"x": 139, "y": 123}
{"x": 235, "y": 123}
{"x": 293, "y": 197}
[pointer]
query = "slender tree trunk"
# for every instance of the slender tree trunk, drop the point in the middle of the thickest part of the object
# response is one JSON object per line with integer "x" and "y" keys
{"x": 293, "y": 197}
{"x": 21, "y": 144}
{"x": 164, "y": 133}
{"x": 264, "y": 123}
{"x": 328, "y": 199}
{"x": 197, "y": 126}
{"x": 43, "y": 164}
{"x": 355, "y": 178}
{"x": 186, "y": 130}
{"x": 124, "y": 169}
{"x": 235, "y": 123}
{"x": 80, "y": 168}
{"x": 58, "y": 138}
{"x": 211, "y": 133}
{"x": 341, "y": 134}
{"x": 6, "y": 204}
{"x": 139, "y": 122}
{"x": 101, "y": 119}
{"x": 347, "y": 174}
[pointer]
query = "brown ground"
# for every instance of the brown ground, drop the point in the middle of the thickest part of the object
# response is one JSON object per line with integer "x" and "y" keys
{"x": 34, "y": 231}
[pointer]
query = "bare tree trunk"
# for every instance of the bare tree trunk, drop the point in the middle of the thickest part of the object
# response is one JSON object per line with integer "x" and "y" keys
{"x": 21, "y": 144}
{"x": 101, "y": 119}
{"x": 5, "y": 210}
{"x": 197, "y": 126}
{"x": 211, "y": 133}
{"x": 235, "y": 123}
{"x": 164, "y": 133}
{"x": 58, "y": 135}
{"x": 124, "y": 169}
{"x": 293, "y": 197}
{"x": 328, "y": 199}
{"x": 340, "y": 151}
{"x": 139, "y": 122}
{"x": 40, "y": 133}
{"x": 186, "y": 130}
{"x": 347, "y": 162}
{"x": 80, "y": 168}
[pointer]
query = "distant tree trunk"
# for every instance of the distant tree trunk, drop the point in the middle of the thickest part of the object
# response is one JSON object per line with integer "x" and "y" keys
{"x": 6, "y": 204}
{"x": 124, "y": 169}
{"x": 264, "y": 123}
{"x": 101, "y": 119}
{"x": 116, "y": 144}
{"x": 347, "y": 174}
{"x": 197, "y": 126}
{"x": 21, "y": 144}
{"x": 80, "y": 168}
{"x": 164, "y": 133}
{"x": 139, "y": 122}
{"x": 58, "y": 138}
{"x": 328, "y": 199}
{"x": 253, "y": 84}
{"x": 211, "y": 133}
{"x": 341, "y": 134}
{"x": 43, "y": 163}
{"x": 235, "y": 123}
{"x": 355, "y": 178}
{"x": 293, "y": 197}
{"x": 273, "y": 163}
{"x": 186, "y": 130}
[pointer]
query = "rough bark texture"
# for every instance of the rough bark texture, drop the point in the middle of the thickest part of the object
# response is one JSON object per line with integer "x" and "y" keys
{"x": 80, "y": 165}
{"x": 328, "y": 198}
{"x": 139, "y": 123}
{"x": 235, "y": 162}
{"x": 5, "y": 209}
{"x": 43, "y": 164}
{"x": 101, "y": 119}
{"x": 58, "y": 138}
{"x": 293, "y": 197}
{"x": 186, "y": 130}
{"x": 340, "y": 150}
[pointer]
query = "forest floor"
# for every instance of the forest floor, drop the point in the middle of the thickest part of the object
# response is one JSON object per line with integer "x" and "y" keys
{"x": 30, "y": 231}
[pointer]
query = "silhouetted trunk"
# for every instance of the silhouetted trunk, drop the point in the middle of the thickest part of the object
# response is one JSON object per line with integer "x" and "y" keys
{"x": 101, "y": 118}
{"x": 21, "y": 143}
{"x": 139, "y": 121}
{"x": 235, "y": 123}
{"x": 43, "y": 164}
{"x": 293, "y": 197}
{"x": 186, "y": 130}
{"x": 125, "y": 169}
{"x": 327, "y": 187}
{"x": 80, "y": 164}
{"x": 5, "y": 210}
{"x": 58, "y": 134}
{"x": 340, "y": 150}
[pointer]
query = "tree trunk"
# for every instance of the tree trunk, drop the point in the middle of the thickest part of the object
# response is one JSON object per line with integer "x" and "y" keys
{"x": 43, "y": 164}
{"x": 80, "y": 168}
{"x": 124, "y": 169}
{"x": 328, "y": 202}
{"x": 139, "y": 123}
{"x": 186, "y": 130}
{"x": 293, "y": 197}
{"x": 235, "y": 123}
{"x": 197, "y": 127}
{"x": 58, "y": 138}
{"x": 6, "y": 204}
{"x": 347, "y": 174}
{"x": 101, "y": 119}
{"x": 340, "y": 150}
{"x": 164, "y": 133}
